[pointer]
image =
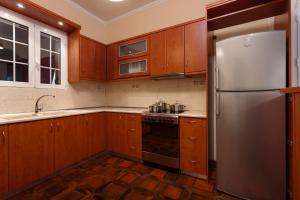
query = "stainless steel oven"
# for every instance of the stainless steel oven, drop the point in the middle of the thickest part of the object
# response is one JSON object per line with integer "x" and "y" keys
{"x": 160, "y": 140}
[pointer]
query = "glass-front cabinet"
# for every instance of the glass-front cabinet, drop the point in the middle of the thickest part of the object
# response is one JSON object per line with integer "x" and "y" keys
{"x": 133, "y": 48}
{"x": 134, "y": 67}
{"x": 133, "y": 58}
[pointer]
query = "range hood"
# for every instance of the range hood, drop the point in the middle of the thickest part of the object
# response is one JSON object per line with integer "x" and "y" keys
{"x": 169, "y": 76}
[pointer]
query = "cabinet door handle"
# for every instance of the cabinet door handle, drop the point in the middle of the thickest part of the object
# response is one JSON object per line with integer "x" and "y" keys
{"x": 131, "y": 130}
{"x": 187, "y": 63}
{"x": 192, "y": 138}
{"x": 58, "y": 127}
{"x": 51, "y": 127}
{"x": 3, "y": 134}
{"x": 193, "y": 162}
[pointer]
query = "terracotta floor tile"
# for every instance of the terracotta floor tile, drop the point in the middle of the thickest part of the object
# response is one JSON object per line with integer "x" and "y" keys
{"x": 139, "y": 195}
{"x": 125, "y": 163}
{"x": 158, "y": 173}
{"x": 129, "y": 177}
{"x": 172, "y": 192}
{"x": 112, "y": 191}
{"x": 149, "y": 183}
{"x": 204, "y": 185}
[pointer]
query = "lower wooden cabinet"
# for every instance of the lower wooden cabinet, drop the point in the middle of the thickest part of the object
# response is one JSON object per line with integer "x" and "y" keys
{"x": 194, "y": 146}
{"x": 31, "y": 152}
{"x": 3, "y": 160}
{"x": 124, "y": 134}
{"x": 67, "y": 142}
{"x": 96, "y": 133}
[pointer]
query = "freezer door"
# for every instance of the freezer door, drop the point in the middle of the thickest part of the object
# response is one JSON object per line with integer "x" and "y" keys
{"x": 251, "y": 145}
{"x": 252, "y": 62}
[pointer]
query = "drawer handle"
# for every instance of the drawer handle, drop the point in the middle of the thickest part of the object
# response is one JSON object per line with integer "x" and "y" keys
{"x": 193, "y": 162}
{"x": 132, "y": 148}
{"x": 131, "y": 130}
{"x": 3, "y": 134}
{"x": 193, "y": 138}
{"x": 192, "y": 122}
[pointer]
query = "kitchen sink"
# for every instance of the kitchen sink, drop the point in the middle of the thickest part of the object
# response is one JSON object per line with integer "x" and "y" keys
{"x": 34, "y": 115}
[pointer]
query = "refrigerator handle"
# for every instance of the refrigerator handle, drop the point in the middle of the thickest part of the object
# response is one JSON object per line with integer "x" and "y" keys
{"x": 218, "y": 104}
{"x": 217, "y": 78}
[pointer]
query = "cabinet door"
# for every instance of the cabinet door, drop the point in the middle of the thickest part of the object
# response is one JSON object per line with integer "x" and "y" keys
{"x": 115, "y": 133}
{"x": 158, "y": 53}
{"x": 96, "y": 133}
{"x": 134, "y": 67}
{"x": 112, "y": 62}
{"x": 31, "y": 152}
{"x": 194, "y": 146}
{"x": 175, "y": 50}
{"x": 66, "y": 142}
{"x": 87, "y": 58}
{"x": 3, "y": 160}
{"x": 134, "y": 135}
{"x": 133, "y": 48}
{"x": 100, "y": 62}
{"x": 196, "y": 47}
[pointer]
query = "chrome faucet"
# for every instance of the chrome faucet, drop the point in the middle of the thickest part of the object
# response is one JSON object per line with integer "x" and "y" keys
{"x": 37, "y": 108}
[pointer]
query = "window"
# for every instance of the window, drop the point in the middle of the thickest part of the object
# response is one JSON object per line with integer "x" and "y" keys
{"x": 51, "y": 56}
{"x": 31, "y": 53}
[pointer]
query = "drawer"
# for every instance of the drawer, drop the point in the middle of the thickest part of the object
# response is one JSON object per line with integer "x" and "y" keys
{"x": 134, "y": 117}
{"x": 192, "y": 121}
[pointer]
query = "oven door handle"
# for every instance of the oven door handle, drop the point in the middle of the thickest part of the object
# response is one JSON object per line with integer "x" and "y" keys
{"x": 161, "y": 124}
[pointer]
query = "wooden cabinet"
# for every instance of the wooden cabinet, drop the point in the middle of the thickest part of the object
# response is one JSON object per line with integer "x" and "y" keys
{"x": 134, "y": 135}
{"x": 194, "y": 146}
{"x": 67, "y": 142}
{"x": 88, "y": 60}
{"x": 3, "y": 160}
{"x": 196, "y": 47}
{"x": 167, "y": 51}
{"x": 31, "y": 152}
{"x": 112, "y": 62}
{"x": 124, "y": 134}
{"x": 95, "y": 133}
{"x": 133, "y": 48}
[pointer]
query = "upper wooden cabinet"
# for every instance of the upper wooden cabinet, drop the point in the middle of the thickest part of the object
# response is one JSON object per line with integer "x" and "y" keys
{"x": 87, "y": 60}
{"x": 133, "y": 48}
{"x": 3, "y": 160}
{"x": 196, "y": 47}
{"x": 112, "y": 62}
{"x": 31, "y": 152}
{"x": 167, "y": 51}
{"x": 194, "y": 146}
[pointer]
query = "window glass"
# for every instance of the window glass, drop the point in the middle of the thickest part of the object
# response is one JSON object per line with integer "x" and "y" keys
{"x": 14, "y": 52}
{"x": 6, "y": 29}
{"x": 50, "y": 59}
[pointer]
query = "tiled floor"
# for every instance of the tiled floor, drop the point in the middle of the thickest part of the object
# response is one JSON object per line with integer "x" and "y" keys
{"x": 114, "y": 178}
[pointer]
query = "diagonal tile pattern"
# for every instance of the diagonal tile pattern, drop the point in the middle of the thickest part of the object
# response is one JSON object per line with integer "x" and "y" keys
{"x": 113, "y": 178}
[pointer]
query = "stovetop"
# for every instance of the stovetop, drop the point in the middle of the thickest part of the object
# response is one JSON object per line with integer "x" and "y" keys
{"x": 162, "y": 118}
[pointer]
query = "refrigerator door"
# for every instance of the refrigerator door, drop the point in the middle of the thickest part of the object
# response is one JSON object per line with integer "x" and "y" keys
{"x": 251, "y": 146}
{"x": 252, "y": 62}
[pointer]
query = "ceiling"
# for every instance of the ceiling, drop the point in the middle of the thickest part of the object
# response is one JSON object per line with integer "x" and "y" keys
{"x": 107, "y": 10}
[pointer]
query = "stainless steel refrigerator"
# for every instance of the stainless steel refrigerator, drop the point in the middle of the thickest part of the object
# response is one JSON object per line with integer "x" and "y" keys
{"x": 250, "y": 116}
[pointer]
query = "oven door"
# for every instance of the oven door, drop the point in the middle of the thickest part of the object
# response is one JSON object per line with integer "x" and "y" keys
{"x": 161, "y": 144}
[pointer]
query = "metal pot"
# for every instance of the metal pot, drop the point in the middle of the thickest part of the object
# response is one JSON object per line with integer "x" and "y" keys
{"x": 162, "y": 106}
{"x": 177, "y": 108}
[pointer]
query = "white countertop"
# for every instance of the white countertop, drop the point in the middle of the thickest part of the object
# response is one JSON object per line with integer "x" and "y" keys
{"x": 25, "y": 117}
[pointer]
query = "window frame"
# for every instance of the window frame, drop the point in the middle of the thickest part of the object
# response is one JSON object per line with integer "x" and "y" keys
{"x": 25, "y": 21}
{"x": 39, "y": 28}
{"x": 34, "y": 29}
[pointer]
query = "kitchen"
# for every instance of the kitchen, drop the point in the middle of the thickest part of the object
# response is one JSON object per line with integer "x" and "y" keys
{"x": 135, "y": 96}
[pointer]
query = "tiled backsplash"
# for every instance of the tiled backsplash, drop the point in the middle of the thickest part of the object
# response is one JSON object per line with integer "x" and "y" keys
{"x": 190, "y": 92}
{"x": 84, "y": 94}
{"x": 142, "y": 93}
